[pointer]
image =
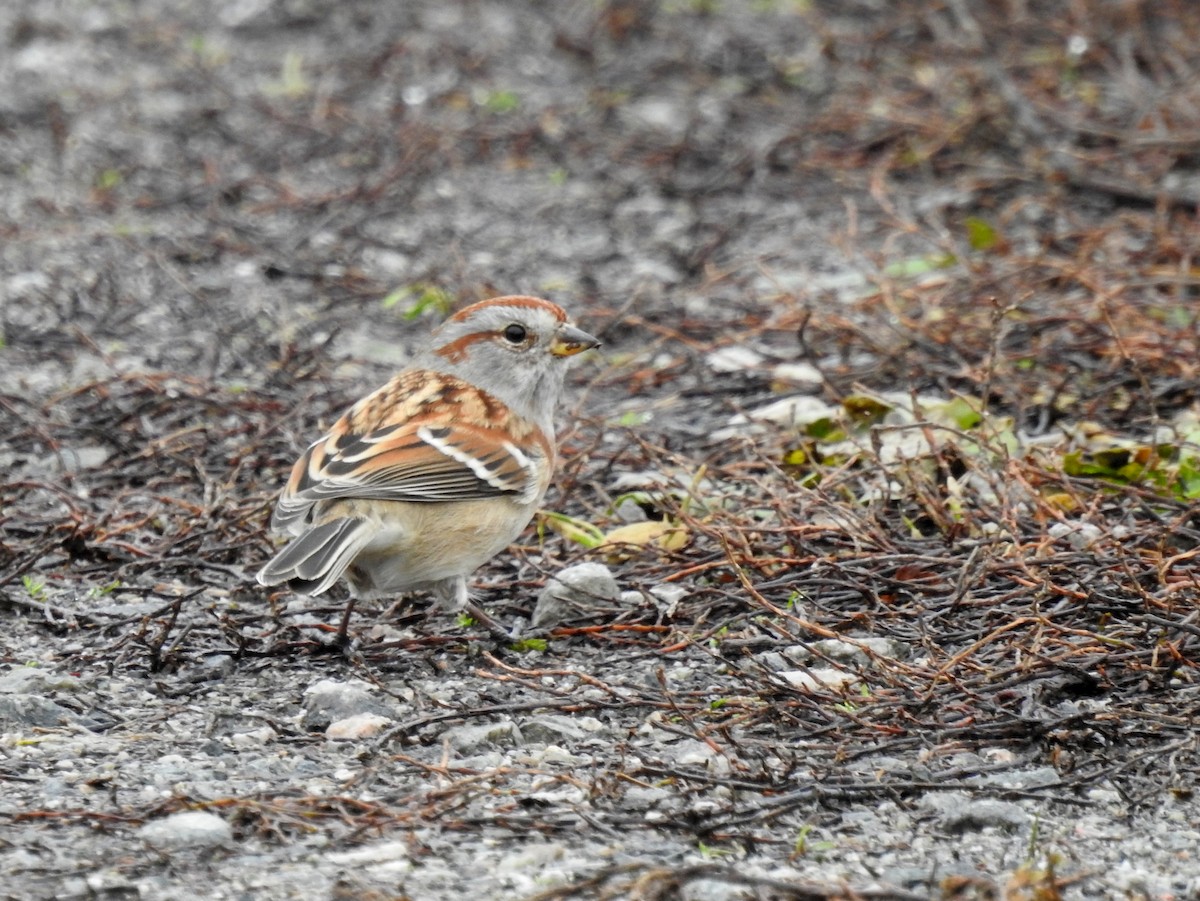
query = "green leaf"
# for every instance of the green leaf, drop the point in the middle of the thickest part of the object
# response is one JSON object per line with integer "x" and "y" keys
{"x": 98, "y": 591}
{"x": 1112, "y": 460}
{"x": 980, "y": 234}
{"x": 108, "y": 179}
{"x": 962, "y": 413}
{"x": 797, "y": 456}
{"x": 530, "y": 644}
{"x": 501, "y": 101}
{"x": 915, "y": 266}
{"x": 1188, "y": 478}
{"x": 825, "y": 429}
{"x": 423, "y": 297}
{"x": 1074, "y": 464}
{"x": 35, "y": 587}
{"x": 577, "y": 530}
{"x": 865, "y": 410}
{"x": 633, "y": 418}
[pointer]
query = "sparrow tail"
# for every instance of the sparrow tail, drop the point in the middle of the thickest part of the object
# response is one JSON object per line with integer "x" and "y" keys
{"x": 314, "y": 561}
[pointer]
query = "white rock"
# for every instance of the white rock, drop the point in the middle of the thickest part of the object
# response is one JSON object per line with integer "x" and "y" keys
{"x": 853, "y": 650}
{"x": 631, "y": 598}
{"x": 816, "y": 678}
{"x": 667, "y": 597}
{"x": 553, "y": 755}
{"x": 531, "y": 856}
{"x": 383, "y": 852}
{"x": 663, "y": 114}
{"x": 34, "y": 680}
{"x": 799, "y": 410}
{"x": 797, "y": 373}
{"x": 1080, "y": 535}
{"x": 187, "y": 829}
{"x": 733, "y": 359}
{"x": 253, "y": 738}
{"x": 332, "y": 690}
{"x": 644, "y": 797}
{"x": 694, "y": 753}
{"x": 361, "y": 725}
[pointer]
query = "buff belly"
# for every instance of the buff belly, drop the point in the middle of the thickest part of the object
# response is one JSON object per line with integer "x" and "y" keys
{"x": 418, "y": 545}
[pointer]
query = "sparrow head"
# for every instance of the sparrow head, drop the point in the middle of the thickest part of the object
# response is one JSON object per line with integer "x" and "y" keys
{"x": 516, "y": 348}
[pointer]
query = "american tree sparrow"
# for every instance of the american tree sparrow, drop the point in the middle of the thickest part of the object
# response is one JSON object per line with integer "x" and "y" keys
{"x": 439, "y": 470}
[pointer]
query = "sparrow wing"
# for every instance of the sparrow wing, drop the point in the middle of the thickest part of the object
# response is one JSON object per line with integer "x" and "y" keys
{"x": 380, "y": 451}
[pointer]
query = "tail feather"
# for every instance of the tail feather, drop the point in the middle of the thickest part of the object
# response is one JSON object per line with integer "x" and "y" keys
{"x": 313, "y": 562}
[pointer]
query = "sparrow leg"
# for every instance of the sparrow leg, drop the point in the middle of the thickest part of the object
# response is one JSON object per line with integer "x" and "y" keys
{"x": 485, "y": 619}
{"x": 452, "y": 594}
{"x": 454, "y": 597}
{"x": 344, "y": 628}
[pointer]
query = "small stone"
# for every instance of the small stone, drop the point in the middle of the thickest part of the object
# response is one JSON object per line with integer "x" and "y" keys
{"x": 553, "y": 755}
{"x": 668, "y": 596}
{"x": 552, "y": 729}
{"x": 471, "y": 739}
{"x": 531, "y": 856}
{"x": 1103, "y": 796}
{"x": 629, "y": 510}
{"x": 662, "y": 114}
{"x": 631, "y": 598}
{"x": 361, "y": 725}
{"x": 734, "y": 358}
{"x": 706, "y": 889}
{"x": 253, "y": 738}
{"x": 790, "y": 411}
{"x": 797, "y": 374}
{"x": 961, "y": 813}
{"x": 773, "y": 661}
{"x": 817, "y": 678}
{"x": 328, "y": 701}
{"x": 1080, "y": 535}
{"x": 381, "y": 852}
{"x": 35, "y": 680}
{"x": 575, "y": 591}
{"x": 215, "y": 666}
{"x": 644, "y": 798}
{"x": 859, "y": 650}
{"x": 188, "y": 829}
{"x": 35, "y": 711}
{"x": 82, "y": 457}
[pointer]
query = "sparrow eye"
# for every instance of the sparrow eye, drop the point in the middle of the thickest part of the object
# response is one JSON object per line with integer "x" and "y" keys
{"x": 514, "y": 334}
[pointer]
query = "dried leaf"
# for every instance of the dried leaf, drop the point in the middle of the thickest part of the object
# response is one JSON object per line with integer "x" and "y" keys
{"x": 663, "y": 534}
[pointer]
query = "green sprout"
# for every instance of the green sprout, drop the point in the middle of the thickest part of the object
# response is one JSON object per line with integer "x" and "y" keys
{"x": 422, "y": 297}
{"x": 34, "y": 586}
{"x": 530, "y": 644}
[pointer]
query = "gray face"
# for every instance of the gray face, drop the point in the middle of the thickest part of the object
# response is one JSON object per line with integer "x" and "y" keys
{"x": 509, "y": 352}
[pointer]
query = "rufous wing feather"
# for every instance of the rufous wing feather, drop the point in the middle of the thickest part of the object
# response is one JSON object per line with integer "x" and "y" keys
{"x": 419, "y": 459}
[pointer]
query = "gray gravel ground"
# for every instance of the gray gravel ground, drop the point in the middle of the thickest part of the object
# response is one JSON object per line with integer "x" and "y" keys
{"x": 187, "y": 189}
